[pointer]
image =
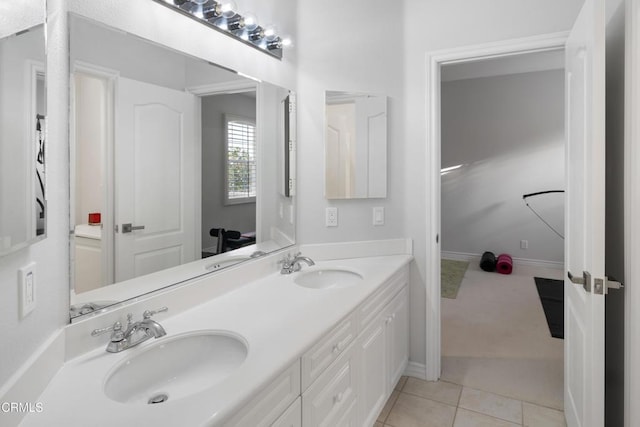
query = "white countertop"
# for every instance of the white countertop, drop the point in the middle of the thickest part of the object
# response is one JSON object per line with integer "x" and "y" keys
{"x": 90, "y": 231}
{"x": 279, "y": 319}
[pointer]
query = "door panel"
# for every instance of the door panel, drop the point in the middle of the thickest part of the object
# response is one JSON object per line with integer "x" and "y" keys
{"x": 585, "y": 214}
{"x": 154, "y": 164}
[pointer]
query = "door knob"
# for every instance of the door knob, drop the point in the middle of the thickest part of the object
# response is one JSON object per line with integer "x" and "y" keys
{"x": 128, "y": 228}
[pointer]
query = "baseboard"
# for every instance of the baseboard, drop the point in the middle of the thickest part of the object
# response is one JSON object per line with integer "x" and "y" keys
{"x": 416, "y": 370}
{"x": 462, "y": 256}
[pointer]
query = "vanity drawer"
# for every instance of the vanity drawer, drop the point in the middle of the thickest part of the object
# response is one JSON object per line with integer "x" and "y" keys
{"x": 325, "y": 351}
{"x": 271, "y": 402}
{"x": 368, "y": 310}
{"x": 292, "y": 417}
{"x": 331, "y": 396}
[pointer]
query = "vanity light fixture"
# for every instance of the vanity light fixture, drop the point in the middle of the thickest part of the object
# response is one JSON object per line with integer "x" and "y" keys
{"x": 223, "y": 16}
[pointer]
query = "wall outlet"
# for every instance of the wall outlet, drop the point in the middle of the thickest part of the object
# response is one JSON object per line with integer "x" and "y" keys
{"x": 524, "y": 244}
{"x": 378, "y": 215}
{"x": 27, "y": 289}
{"x": 331, "y": 217}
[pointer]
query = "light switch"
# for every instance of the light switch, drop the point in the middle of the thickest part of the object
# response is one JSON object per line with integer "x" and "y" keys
{"x": 378, "y": 215}
{"x": 27, "y": 289}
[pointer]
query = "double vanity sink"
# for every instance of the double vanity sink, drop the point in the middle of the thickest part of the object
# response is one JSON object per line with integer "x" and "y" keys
{"x": 188, "y": 363}
{"x": 215, "y": 357}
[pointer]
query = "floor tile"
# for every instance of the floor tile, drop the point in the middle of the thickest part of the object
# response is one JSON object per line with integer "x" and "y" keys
{"x": 465, "y": 418}
{"x": 539, "y": 416}
{"x": 415, "y": 411}
{"x": 491, "y": 404}
{"x": 387, "y": 406}
{"x": 439, "y": 391}
{"x": 401, "y": 383}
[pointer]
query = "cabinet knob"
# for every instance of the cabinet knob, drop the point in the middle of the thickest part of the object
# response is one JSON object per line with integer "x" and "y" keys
{"x": 338, "y": 397}
{"x": 338, "y": 347}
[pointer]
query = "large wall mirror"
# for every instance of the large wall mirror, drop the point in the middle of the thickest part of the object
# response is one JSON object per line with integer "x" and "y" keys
{"x": 355, "y": 145}
{"x": 22, "y": 124}
{"x": 178, "y": 167}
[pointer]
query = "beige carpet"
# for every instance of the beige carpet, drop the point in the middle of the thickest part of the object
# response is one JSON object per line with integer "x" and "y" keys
{"x": 495, "y": 337}
{"x": 451, "y": 275}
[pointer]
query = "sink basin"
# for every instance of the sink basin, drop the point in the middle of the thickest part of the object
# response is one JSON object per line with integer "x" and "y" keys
{"x": 328, "y": 278}
{"x": 176, "y": 367}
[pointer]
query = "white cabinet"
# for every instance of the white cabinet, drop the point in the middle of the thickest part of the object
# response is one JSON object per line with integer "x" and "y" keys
{"x": 292, "y": 417}
{"x": 346, "y": 377}
{"x": 372, "y": 378}
{"x": 384, "y": 349}
{"x": 397, "y": 331}
{"x": 332, "y": 395}
{"x": 271, "y": 403}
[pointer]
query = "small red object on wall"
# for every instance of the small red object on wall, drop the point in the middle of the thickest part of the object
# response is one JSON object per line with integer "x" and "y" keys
{"x": 94, "y": 218}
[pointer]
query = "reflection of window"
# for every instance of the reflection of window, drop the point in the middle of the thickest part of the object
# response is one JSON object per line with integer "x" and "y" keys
{"x": 240, "y": 160}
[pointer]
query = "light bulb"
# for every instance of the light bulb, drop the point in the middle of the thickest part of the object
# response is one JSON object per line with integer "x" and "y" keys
{"x": 270, "y": 32}
{"x": 250, "y": 21}
{"x": 286, "y": 41}
{"x": 228, "y": 8}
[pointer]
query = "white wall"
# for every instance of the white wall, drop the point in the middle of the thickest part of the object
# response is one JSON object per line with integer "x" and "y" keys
{"x": 215, "y": 214}
{"x": 508, "y": 132}
{"x": 24, "y": 336}
{"x": 147, "y": 19}
{"x": 377, "y": 46}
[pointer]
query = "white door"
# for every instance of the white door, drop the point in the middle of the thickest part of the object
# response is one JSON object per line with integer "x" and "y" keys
{"x": 154, "y": 178}
{"x": 371, "y": 147}
{"x": 585, "y": 216}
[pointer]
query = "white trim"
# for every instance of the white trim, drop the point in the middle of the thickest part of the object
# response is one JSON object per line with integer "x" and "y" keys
{"x": 432, "y": 183}
{"x": 631, "y": 213}
{"x": 463, "y": 256}
{"x": 32, "y": 70}
{"x": 224, "y": 88}
{"x": 416, "y": 370}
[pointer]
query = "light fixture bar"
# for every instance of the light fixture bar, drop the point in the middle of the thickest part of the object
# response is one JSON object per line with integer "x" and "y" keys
{"x": 210, "y": 14}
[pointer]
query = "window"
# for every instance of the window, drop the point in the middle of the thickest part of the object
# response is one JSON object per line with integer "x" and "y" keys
{"x": 240, "y": 160}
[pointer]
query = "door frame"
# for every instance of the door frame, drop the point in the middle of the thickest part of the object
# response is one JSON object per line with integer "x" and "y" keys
{"x": 434, "y": 60}
{"x": 632, "y": 213}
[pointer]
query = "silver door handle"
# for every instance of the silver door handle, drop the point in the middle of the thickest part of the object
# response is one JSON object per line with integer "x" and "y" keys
{"x": 128, "y": 228}
{"x": 585, "y": 280}
{"x": 574, "y": 279}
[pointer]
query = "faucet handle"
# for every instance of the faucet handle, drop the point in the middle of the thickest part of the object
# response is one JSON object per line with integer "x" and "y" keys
{"x": 116, "y": 328}
{"x": 148, "y": 313}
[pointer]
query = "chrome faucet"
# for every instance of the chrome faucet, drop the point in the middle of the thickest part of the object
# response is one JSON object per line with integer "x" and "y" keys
{"x": 291, "y": 264}
{"x": 136, "y": 332}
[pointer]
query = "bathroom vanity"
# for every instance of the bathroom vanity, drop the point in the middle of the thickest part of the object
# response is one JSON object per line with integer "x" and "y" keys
{"x": 321, "y": 346}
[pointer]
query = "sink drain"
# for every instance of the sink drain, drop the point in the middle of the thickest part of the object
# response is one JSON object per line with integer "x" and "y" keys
{"x": 158, "y": 398}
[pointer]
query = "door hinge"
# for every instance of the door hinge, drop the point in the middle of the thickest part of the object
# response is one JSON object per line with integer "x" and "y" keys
{"x": 292, "y": 186}
{"x": 602, "y": 286}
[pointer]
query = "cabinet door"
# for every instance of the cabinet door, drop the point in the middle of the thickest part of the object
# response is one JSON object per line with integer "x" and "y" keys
{"x": 331, "y": 395}
{"x": 372, "y": 375}
{"x": 397, "y": 323}
{"x": 292, "y": 417}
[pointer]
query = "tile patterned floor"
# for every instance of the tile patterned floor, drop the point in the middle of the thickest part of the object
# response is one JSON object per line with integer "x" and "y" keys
{"x": 418, "y": 403}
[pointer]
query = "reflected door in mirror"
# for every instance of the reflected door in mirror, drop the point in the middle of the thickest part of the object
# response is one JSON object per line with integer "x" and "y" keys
{"x": 355, "y": 146}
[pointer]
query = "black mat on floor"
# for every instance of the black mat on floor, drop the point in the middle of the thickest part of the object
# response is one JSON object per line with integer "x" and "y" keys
{"x": 551, "y": 294}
